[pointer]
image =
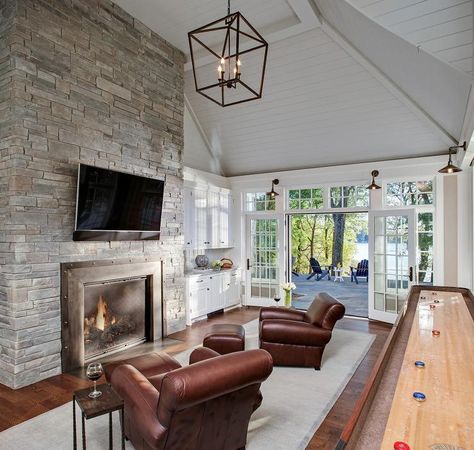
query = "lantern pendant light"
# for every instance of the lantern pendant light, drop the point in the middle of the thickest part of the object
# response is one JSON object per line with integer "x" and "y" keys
{"x": 229, "y": 58}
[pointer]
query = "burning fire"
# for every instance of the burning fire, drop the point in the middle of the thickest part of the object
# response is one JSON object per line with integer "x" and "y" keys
{"x": 101, "y": 320}
{"x": 102, "y": 314}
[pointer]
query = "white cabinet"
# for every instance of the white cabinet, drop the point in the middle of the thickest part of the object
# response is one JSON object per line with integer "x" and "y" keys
{"x": 208, "y": 293}
{"x": 216, "y": 297}
{"x": 189, "y": 219}
{"x": 206, "y": 218}
{"x": 199, "y": 294}
{"x": 231, "y": 288}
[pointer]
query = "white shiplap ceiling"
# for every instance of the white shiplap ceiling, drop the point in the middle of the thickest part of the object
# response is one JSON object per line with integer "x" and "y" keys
{"x": 442, "y": 27}
{"x": 324, "y": 101}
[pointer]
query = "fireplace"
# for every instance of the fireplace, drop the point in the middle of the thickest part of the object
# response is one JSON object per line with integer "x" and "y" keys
{"x": 115, "y": 315}
{"x": 107, "y": 306}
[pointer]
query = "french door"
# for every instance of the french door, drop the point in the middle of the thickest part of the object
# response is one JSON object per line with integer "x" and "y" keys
{"x": 392, "y": 256}
{"x": 265, "y": 259}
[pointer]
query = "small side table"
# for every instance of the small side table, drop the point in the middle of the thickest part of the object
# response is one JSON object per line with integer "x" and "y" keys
{"x": 108, "y": 402}
{"x": 338, "y": 275}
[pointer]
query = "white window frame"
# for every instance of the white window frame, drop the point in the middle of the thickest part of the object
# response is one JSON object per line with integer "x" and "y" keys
{"x": 245, "y": 202}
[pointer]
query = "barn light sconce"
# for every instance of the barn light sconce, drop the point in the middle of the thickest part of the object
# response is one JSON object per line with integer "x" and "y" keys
{"x": 450, "y": 167}
{"x": 273, "y": 193}
{"x": 373, "y": 185}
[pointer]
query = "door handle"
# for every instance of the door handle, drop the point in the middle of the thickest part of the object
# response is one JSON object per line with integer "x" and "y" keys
{"x": 410, "y": 275}
{"x": 248, "y": 264}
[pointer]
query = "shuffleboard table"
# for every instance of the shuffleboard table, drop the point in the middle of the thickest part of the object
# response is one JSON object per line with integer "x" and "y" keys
{"x": 420, "y": 394}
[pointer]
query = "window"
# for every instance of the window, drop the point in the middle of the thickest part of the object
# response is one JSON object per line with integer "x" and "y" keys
{"x": 424, "y": 254}
{"x": 305, "y": 198}
{"x": 349, "y": 196}
{"x": 258, "y": 201}
{"x": 409, "y": 193}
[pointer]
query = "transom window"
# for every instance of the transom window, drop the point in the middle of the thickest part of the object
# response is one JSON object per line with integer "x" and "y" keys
{"x": 409, "y": 193}
{"x": 258, "y": 201}
{"x": 305, "y": 198}
{"x": 356, "y": 196}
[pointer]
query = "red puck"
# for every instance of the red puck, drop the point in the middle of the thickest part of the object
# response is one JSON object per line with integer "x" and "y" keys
{"x": 399, "y": 445}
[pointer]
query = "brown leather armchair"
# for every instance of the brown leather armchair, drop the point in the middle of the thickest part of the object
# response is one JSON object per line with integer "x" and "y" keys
{"x": 298, "y": 338}
{"x": 206, "y": 405}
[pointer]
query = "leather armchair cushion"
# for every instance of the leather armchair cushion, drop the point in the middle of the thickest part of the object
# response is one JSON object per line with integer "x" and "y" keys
{"x": 201, "y": 354}
{"x": 325, "y": 311}
{"x": 149, "y": 365}
{"x": 293, "y": 333}
{"x": 205, "y": 380}
{"x": 141, "y": 397}
{"x": 281, "y": 313}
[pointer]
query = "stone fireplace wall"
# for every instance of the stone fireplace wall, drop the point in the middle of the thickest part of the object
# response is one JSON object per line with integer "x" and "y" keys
{"x": 88, "y": 84}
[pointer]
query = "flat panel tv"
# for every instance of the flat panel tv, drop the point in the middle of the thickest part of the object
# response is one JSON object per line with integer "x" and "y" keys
{"x": 115, "y": 206}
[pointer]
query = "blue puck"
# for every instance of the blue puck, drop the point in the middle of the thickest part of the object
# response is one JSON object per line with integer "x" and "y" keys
{"x": 420, "y": 364}
{"x": 419, "y": 396}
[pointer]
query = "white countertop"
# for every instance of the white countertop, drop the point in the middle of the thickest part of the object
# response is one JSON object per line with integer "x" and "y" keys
{"x": 200, "y": 272}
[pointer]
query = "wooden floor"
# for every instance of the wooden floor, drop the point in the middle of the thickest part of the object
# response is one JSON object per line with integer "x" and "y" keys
{"x": 16, "y": 406}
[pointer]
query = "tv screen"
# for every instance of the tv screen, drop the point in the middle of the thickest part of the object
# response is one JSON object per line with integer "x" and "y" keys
{"x": 117, "y": 206}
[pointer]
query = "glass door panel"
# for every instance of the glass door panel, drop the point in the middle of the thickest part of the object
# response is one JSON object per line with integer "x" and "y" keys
{"x": 264, "y": 265}
{"x": 392, "y": 257}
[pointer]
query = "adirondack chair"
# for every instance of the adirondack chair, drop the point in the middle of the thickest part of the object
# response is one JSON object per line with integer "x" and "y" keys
{"x": 362, "y": 270}
{"x": 316, "y": 270}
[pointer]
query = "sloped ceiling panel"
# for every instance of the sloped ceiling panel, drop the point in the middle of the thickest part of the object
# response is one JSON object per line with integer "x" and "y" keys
{"x": 443, "y": 28}
{"x": 439, "y": 89}
{"x": 320, "y": 107}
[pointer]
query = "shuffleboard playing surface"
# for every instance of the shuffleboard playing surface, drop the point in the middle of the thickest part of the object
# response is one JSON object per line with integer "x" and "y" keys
{"x": 447, "y": 414}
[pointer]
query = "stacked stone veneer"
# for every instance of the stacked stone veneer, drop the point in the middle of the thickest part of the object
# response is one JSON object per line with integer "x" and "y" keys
{"x": 80, "y": 81}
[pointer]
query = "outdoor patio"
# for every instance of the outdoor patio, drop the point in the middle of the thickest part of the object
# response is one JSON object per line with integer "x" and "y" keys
{"x": 353, "y": 296}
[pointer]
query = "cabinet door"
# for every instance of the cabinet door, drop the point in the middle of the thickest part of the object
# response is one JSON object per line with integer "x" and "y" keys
{"x": 233, "y": 291}
{"x": 189, "y": 219}
{"x": 216, "y": 293}
{"x": 201, "y": 219}
{"x": 203, "y": 299}
{"x": 224, "y": 219}
{"x": 213, "y": 207}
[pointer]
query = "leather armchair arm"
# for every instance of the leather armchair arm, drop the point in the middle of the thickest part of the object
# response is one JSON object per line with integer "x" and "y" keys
{"x": 141, "y": 402}
{"x": 201, "y": 354}
{"x": 293, "y": 333}
{"x": 281, "y": 313}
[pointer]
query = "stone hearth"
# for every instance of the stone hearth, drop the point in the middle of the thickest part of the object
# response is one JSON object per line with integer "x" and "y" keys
{"x": 80, "y": 81}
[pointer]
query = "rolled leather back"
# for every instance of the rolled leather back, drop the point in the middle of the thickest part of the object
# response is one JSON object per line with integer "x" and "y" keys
{"x": 325, "y": 311}
{"x": 209, "y": 403}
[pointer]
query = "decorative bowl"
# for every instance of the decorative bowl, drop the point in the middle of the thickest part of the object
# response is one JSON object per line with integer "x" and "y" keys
{"x": 202, "y": 261}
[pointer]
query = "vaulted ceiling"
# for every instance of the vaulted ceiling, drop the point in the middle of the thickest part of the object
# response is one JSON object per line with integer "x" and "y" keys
{"x": 346, "y": 81}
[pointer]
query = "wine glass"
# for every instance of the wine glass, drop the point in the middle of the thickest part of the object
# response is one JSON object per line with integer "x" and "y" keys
{"x": 94, "y": 372}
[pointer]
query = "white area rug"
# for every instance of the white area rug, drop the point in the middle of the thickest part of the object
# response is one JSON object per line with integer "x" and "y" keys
{"x": 295, "y": 402}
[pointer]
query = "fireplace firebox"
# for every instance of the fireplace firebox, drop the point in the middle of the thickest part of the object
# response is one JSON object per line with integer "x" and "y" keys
{"x": 115, "y": 315}
{"x": 107, "y": 306}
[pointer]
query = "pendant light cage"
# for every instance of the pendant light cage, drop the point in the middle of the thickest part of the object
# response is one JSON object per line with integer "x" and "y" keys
{"x": 229, "y": 58}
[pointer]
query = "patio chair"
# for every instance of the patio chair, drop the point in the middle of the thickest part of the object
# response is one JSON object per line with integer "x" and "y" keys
{"x": 316, "y": 270}
{"x": 362, "y": 270}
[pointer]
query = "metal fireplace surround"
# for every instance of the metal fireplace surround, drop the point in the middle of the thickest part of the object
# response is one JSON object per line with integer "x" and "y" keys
{"x": 74, "y": 276}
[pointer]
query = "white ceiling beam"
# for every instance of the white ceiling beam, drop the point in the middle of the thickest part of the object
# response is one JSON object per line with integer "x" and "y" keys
{"x": 307, "y": 20}
{"x": 385, "y": 80}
